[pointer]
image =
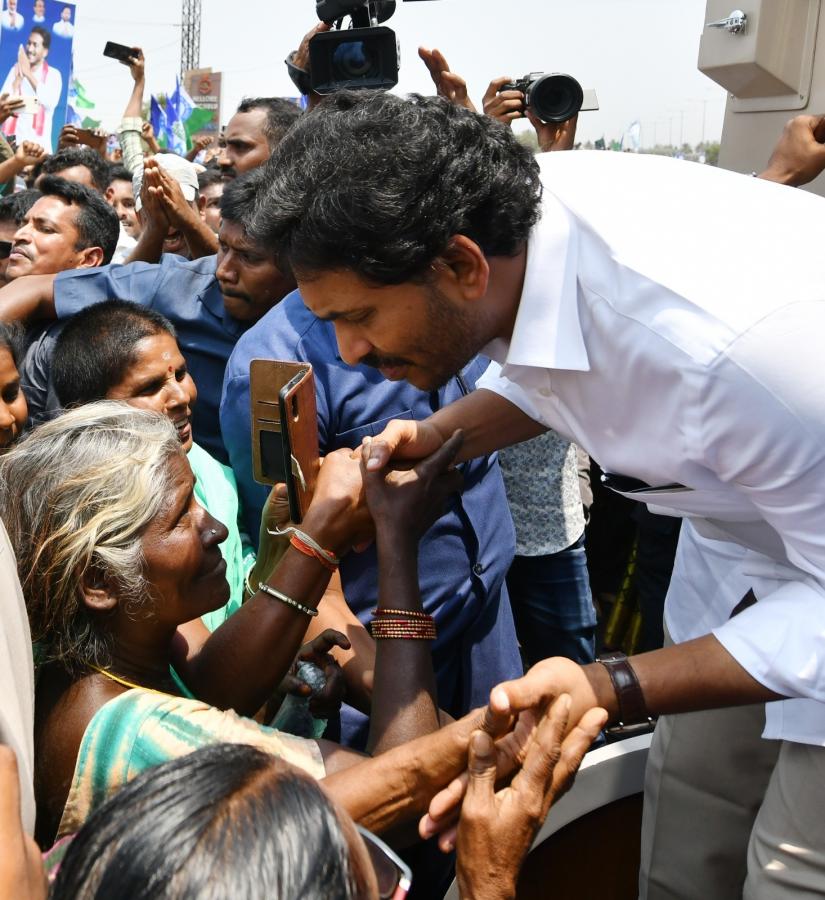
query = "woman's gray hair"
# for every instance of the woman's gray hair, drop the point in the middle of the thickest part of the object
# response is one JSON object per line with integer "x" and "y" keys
{"x": 77, "y": 494}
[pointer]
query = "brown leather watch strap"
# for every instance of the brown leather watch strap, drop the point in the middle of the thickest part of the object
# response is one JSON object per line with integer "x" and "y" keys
{"x": 633, "y": 714}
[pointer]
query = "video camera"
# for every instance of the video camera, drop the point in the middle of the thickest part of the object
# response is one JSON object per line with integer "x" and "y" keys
{"x": 364, "y": 55}
{"x": 553, "y": 97}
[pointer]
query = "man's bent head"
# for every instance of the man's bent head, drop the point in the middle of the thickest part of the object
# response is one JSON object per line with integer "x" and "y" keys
{"x": 389, "y": 212}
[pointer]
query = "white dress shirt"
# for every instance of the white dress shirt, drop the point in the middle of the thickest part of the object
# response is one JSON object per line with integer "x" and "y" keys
{"x": 672, "y": 323}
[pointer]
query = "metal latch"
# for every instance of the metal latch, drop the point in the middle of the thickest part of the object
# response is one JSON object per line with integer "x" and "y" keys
{"x": 734, "y": 24}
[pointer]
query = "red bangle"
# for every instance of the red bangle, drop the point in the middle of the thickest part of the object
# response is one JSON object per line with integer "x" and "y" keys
{"x": 400, "y": 628}
{"x": 407, "y": 613}
{"x": 298, "y": 544}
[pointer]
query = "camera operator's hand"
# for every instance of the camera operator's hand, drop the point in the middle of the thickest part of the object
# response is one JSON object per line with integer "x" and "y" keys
{"x": 299, "y": 59}
{"x": 554, "y": 135}
{"x": 503, "y": 106}
{"x": 447, "y": 84}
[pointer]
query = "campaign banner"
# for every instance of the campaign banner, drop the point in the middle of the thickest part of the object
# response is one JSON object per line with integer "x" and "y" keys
{"x": 36, "y": 39}
{"x": 204, "y": 88}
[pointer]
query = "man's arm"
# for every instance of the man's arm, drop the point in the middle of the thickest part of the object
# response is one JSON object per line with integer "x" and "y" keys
{"x": 28, "y": 298}
{"x": 487, "y": 420}
{"x": 799, "y": 155}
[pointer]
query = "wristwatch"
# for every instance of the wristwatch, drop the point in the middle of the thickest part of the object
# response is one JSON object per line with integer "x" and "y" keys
{"x": 633, "y": 715}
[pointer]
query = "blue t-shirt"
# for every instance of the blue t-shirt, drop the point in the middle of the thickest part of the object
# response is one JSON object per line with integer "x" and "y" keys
{"x": 464, "y": 556}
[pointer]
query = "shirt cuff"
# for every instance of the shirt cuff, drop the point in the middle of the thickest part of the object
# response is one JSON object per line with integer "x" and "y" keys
{"x": 780, "y": 640}
{"x": 493, "y": 380}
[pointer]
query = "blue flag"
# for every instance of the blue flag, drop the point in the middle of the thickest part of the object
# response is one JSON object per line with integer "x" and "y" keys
{"x": 175, "y": 120}
{"x": 157, "y": 117}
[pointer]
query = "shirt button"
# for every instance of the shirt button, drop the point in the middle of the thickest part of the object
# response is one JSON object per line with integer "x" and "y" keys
{"x": 544, "y": 392}
{"x": 478, "y": 569}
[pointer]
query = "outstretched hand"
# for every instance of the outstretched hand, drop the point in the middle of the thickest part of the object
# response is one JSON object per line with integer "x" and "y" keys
{"x": 496, "y": 828}
{"x": 448, "y": 84}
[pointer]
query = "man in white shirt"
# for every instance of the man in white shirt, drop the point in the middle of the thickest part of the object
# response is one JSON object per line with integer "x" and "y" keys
{"x": 32, "y": 76}
{"x": 10, "y": 18}
{"x": 667, "y": 317}
{"x": 63, "y": 27}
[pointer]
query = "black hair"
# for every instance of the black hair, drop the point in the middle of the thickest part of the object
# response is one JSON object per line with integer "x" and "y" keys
{"x": 281, "y": 115}
{"x": 13, "y": 207}
{"x": 379, "y": 184}
{"x": 209, "y": 176}
{"x": 69, "y": 157}
{"x": 12, "y": 336}
{"x": 96, "y": 349}
{"x": 97, "y": 223}
{"x": 118, "y": 172}
{"x": 45, "y": 34}
{"x": 224, "y": 821}
{"x": 239, "y": 195}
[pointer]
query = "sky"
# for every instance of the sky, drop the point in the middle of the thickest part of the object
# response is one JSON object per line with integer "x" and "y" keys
{"x": 638, "y": 55}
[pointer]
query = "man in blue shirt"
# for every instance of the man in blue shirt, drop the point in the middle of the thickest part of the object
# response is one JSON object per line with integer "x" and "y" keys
{"x": 210, "y": 301}
{"x": 464, "y": 556}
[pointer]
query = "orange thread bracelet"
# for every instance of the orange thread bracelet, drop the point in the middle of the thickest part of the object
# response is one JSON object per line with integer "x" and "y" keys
{"x": 298, "y": 544}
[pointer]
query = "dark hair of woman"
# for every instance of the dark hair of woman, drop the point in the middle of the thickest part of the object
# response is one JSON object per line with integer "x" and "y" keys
{"x": 227, "y": 821}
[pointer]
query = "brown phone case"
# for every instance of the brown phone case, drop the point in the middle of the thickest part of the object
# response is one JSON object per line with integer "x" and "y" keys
{"x": 285, "y": 429}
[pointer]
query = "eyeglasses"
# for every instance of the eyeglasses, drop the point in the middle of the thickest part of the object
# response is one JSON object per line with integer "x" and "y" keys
{"x": 394, "y": 876}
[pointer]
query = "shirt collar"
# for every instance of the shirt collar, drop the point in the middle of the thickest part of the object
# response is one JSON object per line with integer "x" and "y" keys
{"x": 547, "y": 333}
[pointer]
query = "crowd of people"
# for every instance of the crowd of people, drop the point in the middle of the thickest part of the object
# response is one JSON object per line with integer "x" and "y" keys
{"x": 202, "y": 697}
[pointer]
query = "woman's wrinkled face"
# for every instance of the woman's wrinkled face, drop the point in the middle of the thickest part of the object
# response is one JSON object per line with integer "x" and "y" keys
{"x": 13, "y": 408}
{"x": 159, "y": 380}
{"x": 183, "y": 566}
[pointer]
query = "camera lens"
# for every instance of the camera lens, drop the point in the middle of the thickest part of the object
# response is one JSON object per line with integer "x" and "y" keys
{"x": 555, "y": 98}
{"x": 354, "y": 60}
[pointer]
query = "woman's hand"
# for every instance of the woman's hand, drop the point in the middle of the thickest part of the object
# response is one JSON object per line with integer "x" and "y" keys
{"x": 404, "y": 503}
{"x": 497, "y": 828}
{"x": 337, "y": 517}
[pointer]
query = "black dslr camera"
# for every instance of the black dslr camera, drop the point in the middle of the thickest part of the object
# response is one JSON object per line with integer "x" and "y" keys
{"x": 365, "y": 55}
{"x": 553, "y": 97}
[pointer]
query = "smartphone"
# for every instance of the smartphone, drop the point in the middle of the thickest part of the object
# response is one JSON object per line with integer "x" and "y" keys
{"x": 87, "y": 136}
{"x": 120, "y": 52}
{"x": 285, "y": 429}
{"x": 30, "y": 105}
{"x": 5, "y": 249}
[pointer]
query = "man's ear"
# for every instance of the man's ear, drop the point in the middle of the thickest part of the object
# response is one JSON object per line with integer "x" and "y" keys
{"x": 108, "y": 194}
{"x": 97, "y": 590}
{"x": 90, "y": 258}
{"x": 466, "y": 267}
{"x": 202, "y": 205}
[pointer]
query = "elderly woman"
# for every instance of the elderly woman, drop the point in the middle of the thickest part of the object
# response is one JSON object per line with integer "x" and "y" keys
{"x": 115, "y": 554}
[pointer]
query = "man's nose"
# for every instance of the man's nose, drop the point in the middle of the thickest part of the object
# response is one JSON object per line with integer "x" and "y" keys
{"x": 352, "y": 346}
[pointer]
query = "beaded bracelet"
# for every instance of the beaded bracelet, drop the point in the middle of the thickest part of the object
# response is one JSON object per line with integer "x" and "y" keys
{"x": 398, "y": 629}
{"x": 288, "y": 600}
{"x": 408, "y": 613}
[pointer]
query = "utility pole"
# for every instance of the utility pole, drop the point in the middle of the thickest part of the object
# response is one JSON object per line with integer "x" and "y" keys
{"x": 190, "y": 37}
